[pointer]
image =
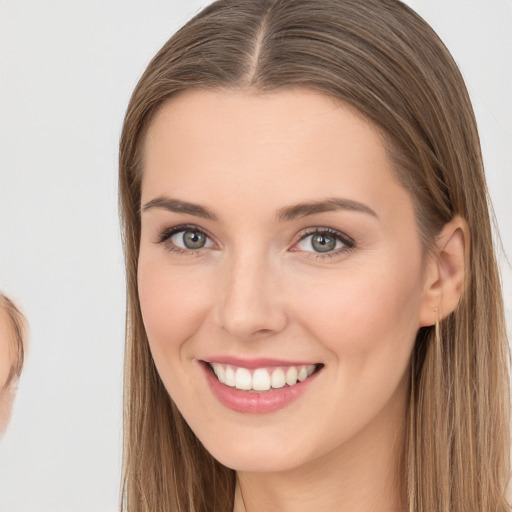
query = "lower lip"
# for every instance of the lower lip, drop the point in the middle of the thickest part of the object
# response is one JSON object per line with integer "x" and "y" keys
{"x": 255, "y": 403}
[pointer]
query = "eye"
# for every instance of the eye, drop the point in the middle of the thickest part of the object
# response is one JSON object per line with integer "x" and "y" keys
{"x": 183, "y": 239}
{"x": 324, "y": 241}
{"x": 189, "y": 239}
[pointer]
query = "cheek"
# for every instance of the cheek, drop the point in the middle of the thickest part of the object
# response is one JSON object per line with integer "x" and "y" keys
{"x": 366, "y": 312}
{"x": 173, "y": 304}
{"x": 368, "y": 324}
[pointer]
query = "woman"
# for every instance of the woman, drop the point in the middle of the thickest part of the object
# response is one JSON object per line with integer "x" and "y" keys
{"x": 314, "y": 309}
{"x": 12, "y": 340}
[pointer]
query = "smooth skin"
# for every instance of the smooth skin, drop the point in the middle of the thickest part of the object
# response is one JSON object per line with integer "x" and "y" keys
{"x": 8, "y": 381}
{"x": 259, "y": 288}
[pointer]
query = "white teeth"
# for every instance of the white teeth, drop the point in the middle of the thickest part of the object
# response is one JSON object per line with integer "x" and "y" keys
{"x": 229, "y": 377}
{"x": 261, "y": 379}
{"x": 303, "y": 373}
{"x": 220, "y": 372}
{"x": 291, "y": 376}
{"x": 243, "y": 379}
{"x": 278, "y": 379}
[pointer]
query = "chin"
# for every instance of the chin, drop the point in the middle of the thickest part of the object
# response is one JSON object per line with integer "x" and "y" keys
{"x": 257, "y": 450}
{"x": 257, "y": 461}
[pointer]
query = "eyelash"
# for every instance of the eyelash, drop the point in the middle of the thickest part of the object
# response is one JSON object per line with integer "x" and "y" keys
{"x": 168, "y": 233}
{"x": 348, "y": 243}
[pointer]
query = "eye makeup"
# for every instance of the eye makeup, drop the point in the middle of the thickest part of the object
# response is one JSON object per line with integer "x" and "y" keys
{"x": 193, "y": 239}
{"x": 323, "y": 243}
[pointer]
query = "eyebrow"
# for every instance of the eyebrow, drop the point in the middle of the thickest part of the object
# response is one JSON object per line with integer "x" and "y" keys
{"x": 285, "y": 214}
{"x": 326, "y": 205}
{"x": 177, "y": 206}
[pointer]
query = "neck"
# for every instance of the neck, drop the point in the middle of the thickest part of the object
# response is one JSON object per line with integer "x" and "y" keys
{"x": 362, "y": 475}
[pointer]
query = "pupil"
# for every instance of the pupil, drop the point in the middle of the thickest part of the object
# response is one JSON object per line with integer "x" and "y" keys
{"x": 193, "y": 240}
{"x": 323, "y": 243}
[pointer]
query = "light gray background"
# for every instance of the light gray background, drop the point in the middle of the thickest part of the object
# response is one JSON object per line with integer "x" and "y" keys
{"x": 67, "y": 69}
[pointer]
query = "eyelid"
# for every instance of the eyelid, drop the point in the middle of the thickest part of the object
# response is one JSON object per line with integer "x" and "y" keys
{"x": 323, "y": 229}
{"x": 164, "y": 237}
{"x": 347, "y": 241}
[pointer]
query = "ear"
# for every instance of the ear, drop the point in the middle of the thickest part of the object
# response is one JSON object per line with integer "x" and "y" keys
{"x": 445, "y": 272}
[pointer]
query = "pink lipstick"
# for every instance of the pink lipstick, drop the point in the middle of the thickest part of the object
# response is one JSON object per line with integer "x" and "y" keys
{"x": 258, "y": 386}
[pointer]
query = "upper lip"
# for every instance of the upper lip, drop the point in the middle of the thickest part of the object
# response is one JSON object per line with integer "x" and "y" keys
{"x": 251, "y": 364}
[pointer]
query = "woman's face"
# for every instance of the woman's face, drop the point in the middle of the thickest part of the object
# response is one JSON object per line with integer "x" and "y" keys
{"x": 277, "y": 242}
{"x": 7, "y": 380}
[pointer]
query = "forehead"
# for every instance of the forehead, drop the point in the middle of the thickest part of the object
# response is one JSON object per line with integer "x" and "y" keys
{"x": 286, "y": 146}
{"x": 212, "y": 120}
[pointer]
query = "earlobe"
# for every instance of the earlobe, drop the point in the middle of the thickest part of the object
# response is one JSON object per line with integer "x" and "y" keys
{"x": 445, "y": 273}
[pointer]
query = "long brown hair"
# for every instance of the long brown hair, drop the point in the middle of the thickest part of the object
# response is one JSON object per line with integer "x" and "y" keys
{"x": 382, "y": 59}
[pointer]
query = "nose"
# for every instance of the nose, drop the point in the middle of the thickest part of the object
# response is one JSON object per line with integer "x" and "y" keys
{"x": 250, "y": 305}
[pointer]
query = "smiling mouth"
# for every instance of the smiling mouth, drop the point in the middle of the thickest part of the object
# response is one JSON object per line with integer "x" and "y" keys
{"x": 260, "y": 380}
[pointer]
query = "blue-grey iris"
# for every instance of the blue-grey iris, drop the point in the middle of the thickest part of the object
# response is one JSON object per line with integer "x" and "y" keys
{"x": 194, "y": 239}
{"x": 323, "y": 243}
